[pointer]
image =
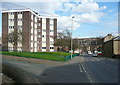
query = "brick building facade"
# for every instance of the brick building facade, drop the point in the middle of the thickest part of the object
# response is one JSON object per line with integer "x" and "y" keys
{"x": 37, "y": 32}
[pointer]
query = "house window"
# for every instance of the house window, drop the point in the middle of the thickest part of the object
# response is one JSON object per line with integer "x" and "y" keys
{"x": 51, "y": 47}
{"x": 19, "y": 12}
{"x": 43, "y": 41}
{"x": 11, "y": 27}
{"x": 19, "y": 19}
{"x": 43, "y": 47}
{"x": 51, "y": 30}
{"x": 12, "y": 13}
{"x": 43, "y": 36}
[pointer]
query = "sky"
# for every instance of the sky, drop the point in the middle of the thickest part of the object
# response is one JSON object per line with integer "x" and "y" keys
{"x": 92, "y": 19}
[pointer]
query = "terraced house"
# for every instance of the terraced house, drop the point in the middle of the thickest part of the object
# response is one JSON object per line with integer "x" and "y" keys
{"x": 26, "y": 30}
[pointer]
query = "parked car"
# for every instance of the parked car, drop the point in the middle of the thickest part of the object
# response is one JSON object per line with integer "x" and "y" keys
{"x": 99, "y": 53}
{"x": 94, "y": 54}
{"x": 89, "y": 53}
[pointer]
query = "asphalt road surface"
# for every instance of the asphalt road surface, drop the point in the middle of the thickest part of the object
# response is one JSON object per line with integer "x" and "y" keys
{"x": 80, "y": 69}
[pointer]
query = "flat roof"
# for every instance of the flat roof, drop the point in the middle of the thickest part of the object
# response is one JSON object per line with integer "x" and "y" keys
{"x": 22, "y": 10}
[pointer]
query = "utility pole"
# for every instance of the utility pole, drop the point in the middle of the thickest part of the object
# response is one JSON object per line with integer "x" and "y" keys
{"x": 78, "y": 44}
{"x": 71, "y": 36}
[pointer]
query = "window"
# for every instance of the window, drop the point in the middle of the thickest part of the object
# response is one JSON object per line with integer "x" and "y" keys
{"x": 51, "y": 47}
{"x": 19, "y": 26}
{"x": 12, "y": 20}
{"x": 11, "y": 13}
{"x": 11, "y": 27}
{"x": 51, "y": 24}
{"x": 51, "y": 42}
{"x": 43, "y": 36}
{"x": 51, "y": 30}
{"x": 19, "y": 12}
{"x": 19, "y": 19}
{"x": 43, "y": 47}
{"x": 39, "y": 30}
{"x": 44, "y": 30}
{"x": 43, "y": 41}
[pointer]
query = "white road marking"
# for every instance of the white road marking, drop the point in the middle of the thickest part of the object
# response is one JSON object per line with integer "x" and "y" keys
{"x": 80, "y": 68}
{"x": 87, "y": 74}
{"x": 83, "y": 68}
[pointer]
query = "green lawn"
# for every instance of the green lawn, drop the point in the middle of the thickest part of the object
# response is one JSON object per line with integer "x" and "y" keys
{"x": 55, "y": 56}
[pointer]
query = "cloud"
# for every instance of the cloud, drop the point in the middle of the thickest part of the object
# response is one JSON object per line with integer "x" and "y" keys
{"x": 86, "y": 7}
{"x": 86, "y": 12}
{"x": 65, "y": 22}
{"x": 89, "y": 17}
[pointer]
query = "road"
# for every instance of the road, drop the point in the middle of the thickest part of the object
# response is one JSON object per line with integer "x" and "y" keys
{"x": 80, "y": 69}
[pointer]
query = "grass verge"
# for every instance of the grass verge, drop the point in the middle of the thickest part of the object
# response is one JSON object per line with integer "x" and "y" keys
{"x": 55, "y": 56}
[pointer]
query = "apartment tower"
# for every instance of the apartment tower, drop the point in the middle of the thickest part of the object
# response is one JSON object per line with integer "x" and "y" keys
{"x": 25, "y": 30}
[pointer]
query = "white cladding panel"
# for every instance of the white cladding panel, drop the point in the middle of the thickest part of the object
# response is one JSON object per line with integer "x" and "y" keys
{"x": 51, "y": 39}
{"x": 31, "y": 16}
{"x": 51, "y": 27}
{"x": 31, "y": 50}
{"x": 43, "y": 44}
{"x": 44, "y": 23}
{"x": 19, "y": 23}
{"x": 44, "y": 39}
{"x": 51, "y": 50}
{"x": 43, "y": 33}
{"x": 31, "y": 44}
{"x": 10, "y": 44}
{"x": 35, "y": 44}
{"x": 51, "y": 21}
{"x": 35, "y": 50}
{"x": 35, "y": 19}
{"x": 11, "y": 15}
{"x": 31, "y": 24}
{"x": 52, "y": 33}
{"x": 35, "y": 38}
{"x": 19, "y": 44}
{"x": 19, "y": 49}
{"x": 31, "y": 30}
{"x": 43, "y": 50}
{"x": 10, "y": 23}
{"x": 35, "y": 25}
{"x": 19, "y": 15}
{"x": 10, "y": 30}
{"x": 35, "y": 31}
{"x": 31, "y": 37}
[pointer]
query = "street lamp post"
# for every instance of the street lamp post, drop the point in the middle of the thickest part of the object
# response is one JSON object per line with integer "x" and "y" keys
{"x": 71, "y": 37}
{"x": 78, "y": 45}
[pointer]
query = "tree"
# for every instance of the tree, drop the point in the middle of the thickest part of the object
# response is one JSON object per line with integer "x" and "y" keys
{"x": 64, "y": 40}
{"x": 14, "y": 37}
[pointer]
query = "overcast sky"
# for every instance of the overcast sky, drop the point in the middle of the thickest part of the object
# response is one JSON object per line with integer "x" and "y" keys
{"x": 92, "y": 19}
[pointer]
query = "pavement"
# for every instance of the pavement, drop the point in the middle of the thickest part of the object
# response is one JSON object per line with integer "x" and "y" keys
{"x": 80, "y": 69}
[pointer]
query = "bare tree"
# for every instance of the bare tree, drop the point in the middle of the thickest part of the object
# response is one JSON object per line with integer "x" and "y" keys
{"x": 14, "y": 37}
{"x": 64, "y": 40}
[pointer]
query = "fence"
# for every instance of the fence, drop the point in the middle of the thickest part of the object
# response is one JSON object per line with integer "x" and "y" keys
{"x": 69, "y": 57}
